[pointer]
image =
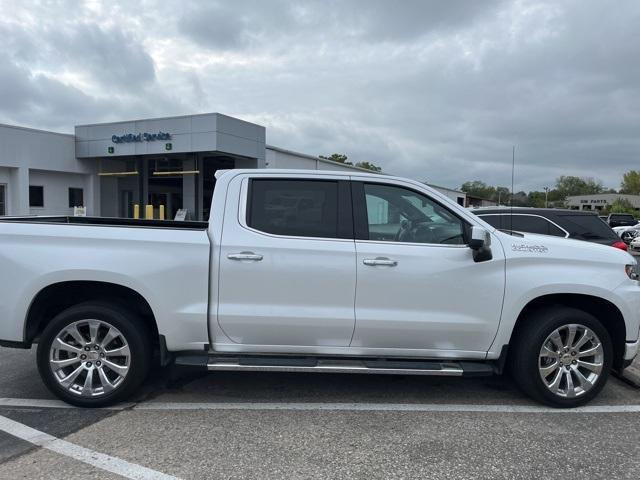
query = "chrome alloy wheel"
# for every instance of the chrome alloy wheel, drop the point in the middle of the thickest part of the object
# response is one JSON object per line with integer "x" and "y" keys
{"x": 571, "y": 360}
{"x": 90, "y": 358}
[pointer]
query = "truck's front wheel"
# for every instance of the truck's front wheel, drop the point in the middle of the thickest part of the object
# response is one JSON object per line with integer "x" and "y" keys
{"x": 561, "y": 356}
{"x": 93, "y": 355}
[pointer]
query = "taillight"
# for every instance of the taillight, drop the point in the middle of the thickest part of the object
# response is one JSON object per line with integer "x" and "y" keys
{"x": 619, "y": 244}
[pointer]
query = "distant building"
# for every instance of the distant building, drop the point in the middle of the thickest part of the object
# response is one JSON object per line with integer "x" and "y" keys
{"x": 477, "y": 202}
{"x": 108, "y": 168}
{"x": 455, "y": 195}
{"x": 599, "y": 201}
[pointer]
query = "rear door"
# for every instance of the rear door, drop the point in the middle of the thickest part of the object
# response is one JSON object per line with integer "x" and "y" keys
{"x": 418, "y": 286}
{"x": 287, "y": 263}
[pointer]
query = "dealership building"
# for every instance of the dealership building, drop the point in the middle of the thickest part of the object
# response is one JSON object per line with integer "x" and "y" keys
{"x": 600, "y": 201}
{"x": 110, "y": 167}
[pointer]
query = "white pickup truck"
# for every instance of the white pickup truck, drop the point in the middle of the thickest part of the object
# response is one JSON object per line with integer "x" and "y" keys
{"x": 315, "y": 272}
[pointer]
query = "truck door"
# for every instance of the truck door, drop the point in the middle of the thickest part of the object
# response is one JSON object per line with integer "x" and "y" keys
{"x": 287, "y": 262}
{"x": 418, "y": 286}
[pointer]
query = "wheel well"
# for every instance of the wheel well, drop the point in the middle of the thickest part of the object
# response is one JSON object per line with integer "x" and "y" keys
{"x": 56, "y": 298}
{"x": 605, "y": 311}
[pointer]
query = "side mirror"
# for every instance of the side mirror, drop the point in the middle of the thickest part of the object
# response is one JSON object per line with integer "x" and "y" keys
{"x": 480, "y": 243}
{"x": 479, "y": 238}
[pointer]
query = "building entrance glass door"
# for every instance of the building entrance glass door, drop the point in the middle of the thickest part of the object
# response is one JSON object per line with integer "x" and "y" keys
{"x": 166, "y": 186}
{"x": 172, "y": 202}
{"x": 3, "y": 200}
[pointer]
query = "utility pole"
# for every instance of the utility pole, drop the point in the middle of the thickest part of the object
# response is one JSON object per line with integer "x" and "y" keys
{"x": 546, "y": 197}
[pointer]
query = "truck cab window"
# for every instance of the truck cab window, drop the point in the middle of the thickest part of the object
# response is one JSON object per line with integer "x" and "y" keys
{"x": 399, "y": 215}
{"x": 297, "y": 208}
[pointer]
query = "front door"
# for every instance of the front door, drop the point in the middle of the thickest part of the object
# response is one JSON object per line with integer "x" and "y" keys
{"x": 287, "y": 263}
{"x": 418, "y": 286}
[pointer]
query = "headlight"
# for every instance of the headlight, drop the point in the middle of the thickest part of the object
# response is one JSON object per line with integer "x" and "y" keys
{"x": 633, "y": 271}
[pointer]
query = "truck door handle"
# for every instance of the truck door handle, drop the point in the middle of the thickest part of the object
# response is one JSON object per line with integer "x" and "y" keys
{"x": 245, "y": 256}
{"x": 380, "y": 261}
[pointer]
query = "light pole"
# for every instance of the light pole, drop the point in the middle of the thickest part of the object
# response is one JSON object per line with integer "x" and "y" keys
{"x": 546, "y": 197}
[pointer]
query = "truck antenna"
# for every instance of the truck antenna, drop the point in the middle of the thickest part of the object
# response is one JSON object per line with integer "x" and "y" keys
{"x": 513, "y": 168}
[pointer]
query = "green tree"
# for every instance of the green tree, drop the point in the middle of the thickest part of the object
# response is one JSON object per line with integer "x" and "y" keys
{"x": 501, "y": 195}
{"x": 536, "y": 199}
{"x": 520, "y": 199}
{"x": 621, "y": 205}
{"x": 369, "y": 166}
{"x": 337, "y": 157}
{"x": 568, "y": 185}
{"x": 630, "y": 182}
{"x": 477, "y": 188}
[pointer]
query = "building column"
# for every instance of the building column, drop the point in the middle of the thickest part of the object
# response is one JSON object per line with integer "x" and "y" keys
{"x": 198, "y": 213}
{"x": 92, "y": 198}
{"x": 19, "y": 191}
{"x": 143, "y": 179}
{"x": 189, "y": 187}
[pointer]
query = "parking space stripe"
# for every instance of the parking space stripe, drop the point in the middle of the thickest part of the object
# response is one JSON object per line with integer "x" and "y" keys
{"x": 329, "y": 406}
{"x": 45, "y": 403}
{"x": 82, "y": 454}
{"x": 384, "y": 407}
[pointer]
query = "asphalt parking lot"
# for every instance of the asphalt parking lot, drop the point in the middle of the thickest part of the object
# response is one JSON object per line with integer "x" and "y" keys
{"x": 275, "y": 426}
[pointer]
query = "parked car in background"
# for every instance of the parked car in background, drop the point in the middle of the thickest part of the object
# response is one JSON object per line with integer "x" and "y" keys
{"x": 627, "y": 234}
{"x": 552, "y": 221}
{"x": 634, "y": 244}
{"x": 621, "y": 220}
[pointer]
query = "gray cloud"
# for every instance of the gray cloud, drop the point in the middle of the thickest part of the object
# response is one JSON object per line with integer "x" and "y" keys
{"x": 113, "y": 58}
{"x": 432, "y": 90}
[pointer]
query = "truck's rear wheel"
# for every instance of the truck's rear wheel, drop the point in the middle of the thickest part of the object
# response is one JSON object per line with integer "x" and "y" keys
{"x": 561, "y": 357}
{"x": 93, "y": 355}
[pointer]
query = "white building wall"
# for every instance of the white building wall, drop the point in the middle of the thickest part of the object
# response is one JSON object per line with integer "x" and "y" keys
{"x": 5, "y": 180}
{"x": 281, "y": 158}
{"x": 23, "y": 150}
{"x": 56, "y": 191}
{"x": 457, "y": 196}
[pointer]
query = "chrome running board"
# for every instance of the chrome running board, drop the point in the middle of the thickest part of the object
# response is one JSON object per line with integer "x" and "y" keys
{"x": 336, "y": 365}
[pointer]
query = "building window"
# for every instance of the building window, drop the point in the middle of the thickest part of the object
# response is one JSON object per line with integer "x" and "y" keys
{"x": 36, "y": 196}
{"x": 76, "y": 197}
{"x": 3, "y": 200}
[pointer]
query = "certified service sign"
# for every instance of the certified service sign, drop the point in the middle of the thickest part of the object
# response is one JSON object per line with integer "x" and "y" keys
{"x": 140, "y": 137}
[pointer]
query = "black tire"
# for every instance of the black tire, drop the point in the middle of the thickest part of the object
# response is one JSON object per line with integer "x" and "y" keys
{"x": 131, "y": 328}
{"x": 527, "y": 344}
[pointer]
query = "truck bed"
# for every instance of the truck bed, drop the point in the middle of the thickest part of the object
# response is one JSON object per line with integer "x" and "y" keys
{"x": 109, "y": 222}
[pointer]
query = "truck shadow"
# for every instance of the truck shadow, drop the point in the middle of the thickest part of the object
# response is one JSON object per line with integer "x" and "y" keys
{"x": 184, "y": 385}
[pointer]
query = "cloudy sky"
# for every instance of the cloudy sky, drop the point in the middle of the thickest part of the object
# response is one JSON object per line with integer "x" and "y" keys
{"x": 435, "y": 90}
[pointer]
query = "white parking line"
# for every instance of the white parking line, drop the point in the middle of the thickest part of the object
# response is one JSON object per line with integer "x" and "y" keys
{"x": 99, "y": 460}
{"x": 328, "y": 406}
{"x": 384, "y": 407}
{"x": 44, "y": 403}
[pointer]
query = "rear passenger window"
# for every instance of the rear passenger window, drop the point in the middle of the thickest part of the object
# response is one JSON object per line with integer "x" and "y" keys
{"x": 531, "y": 224}
{"x": 523, "y": 223}
{"x": 297, "y": 208}
{"x": 493, "y": 220}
